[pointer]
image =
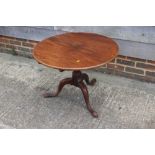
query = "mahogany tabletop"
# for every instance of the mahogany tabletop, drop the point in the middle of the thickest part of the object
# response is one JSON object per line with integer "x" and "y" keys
{"x": 75, "y": 51}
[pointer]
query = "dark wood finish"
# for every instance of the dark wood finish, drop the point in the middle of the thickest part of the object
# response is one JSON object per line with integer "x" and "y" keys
{"x": 76, "y": 80}
{"x": 76, "y": 51}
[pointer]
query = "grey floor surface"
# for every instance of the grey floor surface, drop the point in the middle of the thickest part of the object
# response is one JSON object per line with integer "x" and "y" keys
{"x": 120, "y": 102}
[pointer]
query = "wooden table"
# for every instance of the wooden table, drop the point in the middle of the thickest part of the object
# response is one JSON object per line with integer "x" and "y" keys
{"x": 75, "y": 52}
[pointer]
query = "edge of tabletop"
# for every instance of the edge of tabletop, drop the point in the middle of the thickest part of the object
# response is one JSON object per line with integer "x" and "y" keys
{"x": 71, "y": 69}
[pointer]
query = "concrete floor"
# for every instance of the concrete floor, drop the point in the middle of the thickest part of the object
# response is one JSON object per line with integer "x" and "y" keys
{"x": 120, "y": 102}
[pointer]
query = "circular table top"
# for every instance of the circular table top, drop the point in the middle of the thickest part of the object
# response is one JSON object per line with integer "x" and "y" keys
{"x": 75, "y": 51}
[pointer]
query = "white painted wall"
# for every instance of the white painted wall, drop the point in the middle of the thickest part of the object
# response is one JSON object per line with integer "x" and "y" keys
{"x": 135, "y": 41}
{"x": 145, "y": 34}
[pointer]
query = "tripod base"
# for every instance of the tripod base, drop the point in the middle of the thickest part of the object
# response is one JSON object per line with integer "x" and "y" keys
{"x": 77, "y": 80}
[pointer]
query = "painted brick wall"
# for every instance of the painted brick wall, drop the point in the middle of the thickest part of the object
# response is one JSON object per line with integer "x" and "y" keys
{"x": 133, "y": 41}
{"x": 130, "y": 67}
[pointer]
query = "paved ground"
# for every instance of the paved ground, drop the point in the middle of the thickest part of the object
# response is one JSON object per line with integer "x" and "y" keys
{"x": 120, "y": 102}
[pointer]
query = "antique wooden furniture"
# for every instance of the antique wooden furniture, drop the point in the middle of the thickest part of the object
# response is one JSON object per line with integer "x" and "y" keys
{"x": 76, "y": 52}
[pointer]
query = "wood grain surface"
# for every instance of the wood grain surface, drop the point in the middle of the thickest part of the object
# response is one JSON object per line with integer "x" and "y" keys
{"x": 75, "y": 51}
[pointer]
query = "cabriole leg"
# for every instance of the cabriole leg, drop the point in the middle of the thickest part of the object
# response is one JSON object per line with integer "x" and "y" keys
{"x": 61, "y": 85}
{"x": 84, "y": 90}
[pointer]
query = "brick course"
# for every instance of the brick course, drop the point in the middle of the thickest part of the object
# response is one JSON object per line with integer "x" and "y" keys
{"x": 134, "y": 70}
{"x": 145, "y": 66}
{"x": 129, "y": 67}
{"x": 125, "y": 62}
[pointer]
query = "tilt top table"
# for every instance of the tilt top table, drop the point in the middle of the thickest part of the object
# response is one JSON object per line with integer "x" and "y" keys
{"x": 75, "y": 52}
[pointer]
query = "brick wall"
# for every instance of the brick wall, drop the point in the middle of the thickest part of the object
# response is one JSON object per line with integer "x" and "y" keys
{"x": 130, "y": 67}
{"x": 141, "y": 69}
{"x": 17, "y": 46}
